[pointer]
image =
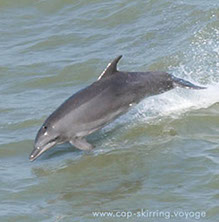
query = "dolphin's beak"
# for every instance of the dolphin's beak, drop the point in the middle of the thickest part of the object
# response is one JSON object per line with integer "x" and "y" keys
{"x": 37, "y": 151}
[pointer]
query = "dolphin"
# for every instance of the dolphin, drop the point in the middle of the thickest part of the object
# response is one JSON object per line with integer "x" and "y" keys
{"x": 91, "y": 108}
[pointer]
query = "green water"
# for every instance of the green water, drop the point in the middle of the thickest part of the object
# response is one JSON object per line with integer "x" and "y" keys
{"x": 162, "y": 156}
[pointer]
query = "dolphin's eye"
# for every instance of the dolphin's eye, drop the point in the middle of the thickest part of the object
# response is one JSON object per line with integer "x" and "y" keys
{"x": 45, "y": 127}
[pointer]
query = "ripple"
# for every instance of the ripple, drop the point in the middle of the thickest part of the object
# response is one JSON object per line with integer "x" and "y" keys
{"x": 163, "y": 153}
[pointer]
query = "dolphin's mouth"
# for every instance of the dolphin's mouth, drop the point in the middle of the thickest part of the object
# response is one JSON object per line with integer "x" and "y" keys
{"x": 37, "y": 151}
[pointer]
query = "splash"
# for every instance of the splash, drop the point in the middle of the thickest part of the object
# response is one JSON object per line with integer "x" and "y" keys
{"x": 200, "y": 66}
{"x": 177, "y": 102}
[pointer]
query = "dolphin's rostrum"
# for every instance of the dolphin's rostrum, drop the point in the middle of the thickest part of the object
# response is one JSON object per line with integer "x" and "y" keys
{"x": 98, "y": 104}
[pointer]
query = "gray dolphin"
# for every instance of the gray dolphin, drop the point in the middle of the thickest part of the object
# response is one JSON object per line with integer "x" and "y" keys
{"x": 93, "y": 107}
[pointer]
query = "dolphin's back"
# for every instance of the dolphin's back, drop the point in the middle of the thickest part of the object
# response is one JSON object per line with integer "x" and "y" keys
{"x": 92, "y": 102}
{"x": 109, "y": 94}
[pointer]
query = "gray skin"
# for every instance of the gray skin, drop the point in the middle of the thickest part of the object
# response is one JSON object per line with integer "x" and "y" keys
{"x": 93, "y": 107}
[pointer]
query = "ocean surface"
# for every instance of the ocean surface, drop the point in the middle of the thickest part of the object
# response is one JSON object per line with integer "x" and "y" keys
{"x": 160, "y": 161}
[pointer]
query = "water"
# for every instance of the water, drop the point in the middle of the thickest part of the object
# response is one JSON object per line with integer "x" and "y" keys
{"x": 161, "y": 156}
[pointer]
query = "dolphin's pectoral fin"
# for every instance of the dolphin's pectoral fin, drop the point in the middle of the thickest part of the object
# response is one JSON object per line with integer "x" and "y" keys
{"x": 81, "y": 143}
{"x": 110, "y": 69}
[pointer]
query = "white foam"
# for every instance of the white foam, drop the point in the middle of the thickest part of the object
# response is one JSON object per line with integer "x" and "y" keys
{"x": 199, "y": 65}
{"x": 178, "y": 101}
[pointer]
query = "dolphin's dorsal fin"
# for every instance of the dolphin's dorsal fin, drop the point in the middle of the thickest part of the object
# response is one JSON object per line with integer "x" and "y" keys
{"x": 110, "y": 69}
